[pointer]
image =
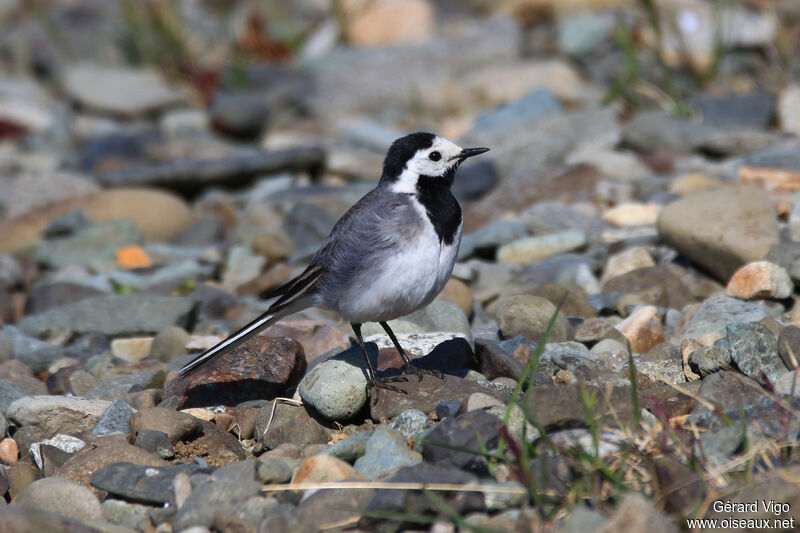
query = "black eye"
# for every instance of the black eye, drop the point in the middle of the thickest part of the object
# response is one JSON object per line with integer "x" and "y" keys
{"x": 434, "y": 156}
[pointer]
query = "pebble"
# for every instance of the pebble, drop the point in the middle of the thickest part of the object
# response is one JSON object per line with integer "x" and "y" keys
{"x": 118, "y": 90}
{"x": 324, "y": 469}
{"x": 530, "y": 316}
{"x": 760, "y": 279}
{"x": 385, "y": 450}
{"x": 461, "y": 431}
{"x": 9, "y": 452}
{"x": 64, "y": 497}
{"x": 786, "y": 255}
{"x": 410, "y": 423}
{"x": 156, "y": 442}
{"x": 528, "y": 250}
{"x": 789, "y": 109}
{"x": 289, "y": 424}
{"x": 632, "y": 214}
{"x": 336, "y": 388}
{"x": 178, "y": 426}
{"x": 115, "y": 419}
{"x": 94, "y": 246}
{"x": 643, "y": 329}
{"x": 51, "y": 413}
{"x": 627, "y": 261}
{"x": 754, "y": 350}
{"x": 708, "y": 227}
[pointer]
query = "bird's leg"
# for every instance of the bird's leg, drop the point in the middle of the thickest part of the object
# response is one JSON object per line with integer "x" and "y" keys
{"x": 408, "y": 367}
{"x": 374, "y": 382}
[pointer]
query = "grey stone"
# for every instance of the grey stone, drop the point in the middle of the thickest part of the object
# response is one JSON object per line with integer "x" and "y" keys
{"x": 156, "y": 442}
{"x": 142, "y": 484}
{"x": 546, "y": 141}
{"x": 475, "y": 179}
{"x": 115, "y": 419}
{"x": 242, "y": 114}
{"x": 463, "y": 431}
{"x": 789, "y": 346}
{"x": 3, "y": 425}
{"x": 530, "y": 316}
{"x": 351, "y": 448}
{"x": 410, "y": 423}
{"x": 709, "y": 359}
{"x": 6, "y": 348}
{"x": 10, "y": 271}
{"x": 114, "y": 315}
{"x": 8, "y": 394}
{"x": 652, "y": 130}
{"x": 385, "y": 450}
{"x": 582, "y": 33}
{"x": 754, "y": 349}
{"x": 36, "y": 354}
{"x": 336, "y": 388}
{"x": 53, "y": 412}
{"x": 718, "y": 447}
{"x": 554, "y": 217}
{"x": 786, "y": 255}
{"x": 66, "y": 443}
{"x": 706, "y": 227}
{"x": 96, "y": 245}
{"x": 118, "y": 90}
{"x": 62, "y": 496}
{"x": 391, "y": 75}
{"x": 528, "y": 109}
{"x": 130, "y": 515}
{"x": 447, "y": 409}
{"x": 205, "y": 501}
{"x": 708, "y": 323}
{"x": 754, "y": 110}
{"x": 272, "y": 469}
{"x": 485, "y": 240}
{"x": 779, "y": 157}
{"x": 169, "y": 343}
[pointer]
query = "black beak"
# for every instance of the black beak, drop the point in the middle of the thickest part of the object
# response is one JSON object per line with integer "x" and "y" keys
{"x": 469, "y": 152}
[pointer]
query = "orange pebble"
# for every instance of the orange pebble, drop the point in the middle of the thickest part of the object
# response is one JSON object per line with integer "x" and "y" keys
{"x": 133, "y": 257}
{"x": 8, "y": 452}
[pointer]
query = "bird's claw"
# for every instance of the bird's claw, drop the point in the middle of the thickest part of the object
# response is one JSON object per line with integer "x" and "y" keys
{"x": 409, "y": 368}
{"x": 377, "y": 384}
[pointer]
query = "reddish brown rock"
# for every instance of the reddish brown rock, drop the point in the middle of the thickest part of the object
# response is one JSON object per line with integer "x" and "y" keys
{"x": 260, "y": 369}
{"x": 317, "y": 337}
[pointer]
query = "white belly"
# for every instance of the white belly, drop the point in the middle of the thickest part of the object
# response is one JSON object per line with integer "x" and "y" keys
{"x": 411, "y": 279}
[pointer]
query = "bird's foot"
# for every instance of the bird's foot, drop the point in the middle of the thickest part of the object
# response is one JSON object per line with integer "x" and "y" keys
{"x": 377, "y": 384}
{"x": 409, "y": 368}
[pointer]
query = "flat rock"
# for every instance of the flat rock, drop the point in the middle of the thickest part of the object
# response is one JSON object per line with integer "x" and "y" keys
{"x": 725, "y": 389}
{"x": 53, "y": 412}
{"x": 650, "y": 286}
{"x": 260, "y": 368}
{"x": 95, "y": 245}
{"x": 117, "y": 90}
{"x": 113, "y": 315}
{"x": 560, "y": 405}
{"x": 424, "y": 395}
{"x": 138, "y": 483}
{"x": 722, "y": 229}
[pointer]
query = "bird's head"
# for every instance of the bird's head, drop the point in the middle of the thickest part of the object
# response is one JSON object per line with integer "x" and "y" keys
{"x": 423, "y": 156}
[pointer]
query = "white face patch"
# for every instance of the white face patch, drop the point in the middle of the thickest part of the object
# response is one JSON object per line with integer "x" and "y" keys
{"x": 433, "y": 162}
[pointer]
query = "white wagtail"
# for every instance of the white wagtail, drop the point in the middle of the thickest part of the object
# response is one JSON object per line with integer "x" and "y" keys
{"x": 389, "y": 255}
